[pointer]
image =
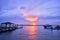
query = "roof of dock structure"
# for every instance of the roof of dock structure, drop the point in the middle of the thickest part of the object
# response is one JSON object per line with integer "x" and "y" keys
{"x": 7, "y": 23}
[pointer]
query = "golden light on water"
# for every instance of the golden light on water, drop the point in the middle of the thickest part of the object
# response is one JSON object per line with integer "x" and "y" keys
{"x": 31, "y": 31}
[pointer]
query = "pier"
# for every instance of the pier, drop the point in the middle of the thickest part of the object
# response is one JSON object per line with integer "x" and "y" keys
{"x": 7, "y": 26}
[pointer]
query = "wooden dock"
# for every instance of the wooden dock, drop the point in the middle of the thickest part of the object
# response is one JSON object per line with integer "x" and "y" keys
{"x": 7, "y": 26}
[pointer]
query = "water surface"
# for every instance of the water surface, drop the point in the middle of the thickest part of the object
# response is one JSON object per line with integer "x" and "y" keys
{"x": 31, "y": 33}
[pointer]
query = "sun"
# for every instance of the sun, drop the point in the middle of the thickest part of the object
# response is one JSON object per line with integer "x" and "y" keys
{"x": 31, "y": 18}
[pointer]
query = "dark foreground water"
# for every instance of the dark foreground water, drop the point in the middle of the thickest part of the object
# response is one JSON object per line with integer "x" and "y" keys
{"x": 31, "y": 33}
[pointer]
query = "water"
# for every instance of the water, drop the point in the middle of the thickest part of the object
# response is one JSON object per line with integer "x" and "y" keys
{"x": 31, "y": 33}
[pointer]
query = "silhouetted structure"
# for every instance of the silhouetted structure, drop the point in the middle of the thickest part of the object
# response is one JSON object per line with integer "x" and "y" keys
{"x": 51, "y": 27}
{"x": 7, "y": 26}
{"x": 48, "y": 27}
{"x": 57, "y": 27}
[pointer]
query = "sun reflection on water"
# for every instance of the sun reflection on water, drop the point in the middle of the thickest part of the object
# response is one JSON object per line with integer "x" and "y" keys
{"x": 31, "y": 32}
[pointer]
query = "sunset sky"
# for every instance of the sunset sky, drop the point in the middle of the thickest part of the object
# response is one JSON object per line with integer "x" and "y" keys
{"x": 11, "y": 9}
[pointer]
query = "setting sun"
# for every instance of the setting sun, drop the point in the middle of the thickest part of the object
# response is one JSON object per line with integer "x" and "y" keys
{"x": 31, "y": 19}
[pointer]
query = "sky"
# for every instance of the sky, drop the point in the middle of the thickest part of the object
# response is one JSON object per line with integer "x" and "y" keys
{"x": 11, "y": 9}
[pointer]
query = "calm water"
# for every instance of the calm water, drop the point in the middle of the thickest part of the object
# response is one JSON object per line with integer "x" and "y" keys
{"x": 31, "y": 33}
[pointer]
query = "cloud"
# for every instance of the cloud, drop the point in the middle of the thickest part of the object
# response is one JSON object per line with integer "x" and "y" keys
{"x": 40, "y": 8}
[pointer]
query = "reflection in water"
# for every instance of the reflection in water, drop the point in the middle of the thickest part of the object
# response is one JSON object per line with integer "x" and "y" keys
{"x": 31, "y": 33}
{"x": 31, "y": 30}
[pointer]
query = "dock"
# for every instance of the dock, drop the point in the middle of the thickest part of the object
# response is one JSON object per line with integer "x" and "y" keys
{"x": 7, "y": 26}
